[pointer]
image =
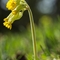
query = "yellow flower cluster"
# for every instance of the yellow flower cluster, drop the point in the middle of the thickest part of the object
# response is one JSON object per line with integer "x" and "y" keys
{"x": 17, "y": 7}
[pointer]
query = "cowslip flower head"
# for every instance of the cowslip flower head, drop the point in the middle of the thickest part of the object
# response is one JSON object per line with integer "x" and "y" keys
{"x": 11, "y": 18}
{"x": 17, "y": 7}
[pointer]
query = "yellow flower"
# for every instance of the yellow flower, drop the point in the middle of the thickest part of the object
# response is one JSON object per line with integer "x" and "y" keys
{"x": 11, "y": 4}
{"x": 17, "y": 7}
{"x": 11, "y": 18}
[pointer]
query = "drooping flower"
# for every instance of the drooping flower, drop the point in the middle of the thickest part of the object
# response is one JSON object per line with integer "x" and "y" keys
{"x": 17, "y": 7}
{"x": 11, "y": 18}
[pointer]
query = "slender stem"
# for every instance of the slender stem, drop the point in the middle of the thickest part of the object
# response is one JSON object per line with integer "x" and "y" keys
{"x": 32, "y": 32}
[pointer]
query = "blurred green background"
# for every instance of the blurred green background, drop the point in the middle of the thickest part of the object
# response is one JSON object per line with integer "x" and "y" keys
{"x": 18, "y": 40}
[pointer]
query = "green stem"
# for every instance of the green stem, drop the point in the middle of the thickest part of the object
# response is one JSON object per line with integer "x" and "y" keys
{"x": 32, "y": 32}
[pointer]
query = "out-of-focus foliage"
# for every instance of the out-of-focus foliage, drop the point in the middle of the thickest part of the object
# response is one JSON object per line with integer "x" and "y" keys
{"x": 47, "y": 39}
